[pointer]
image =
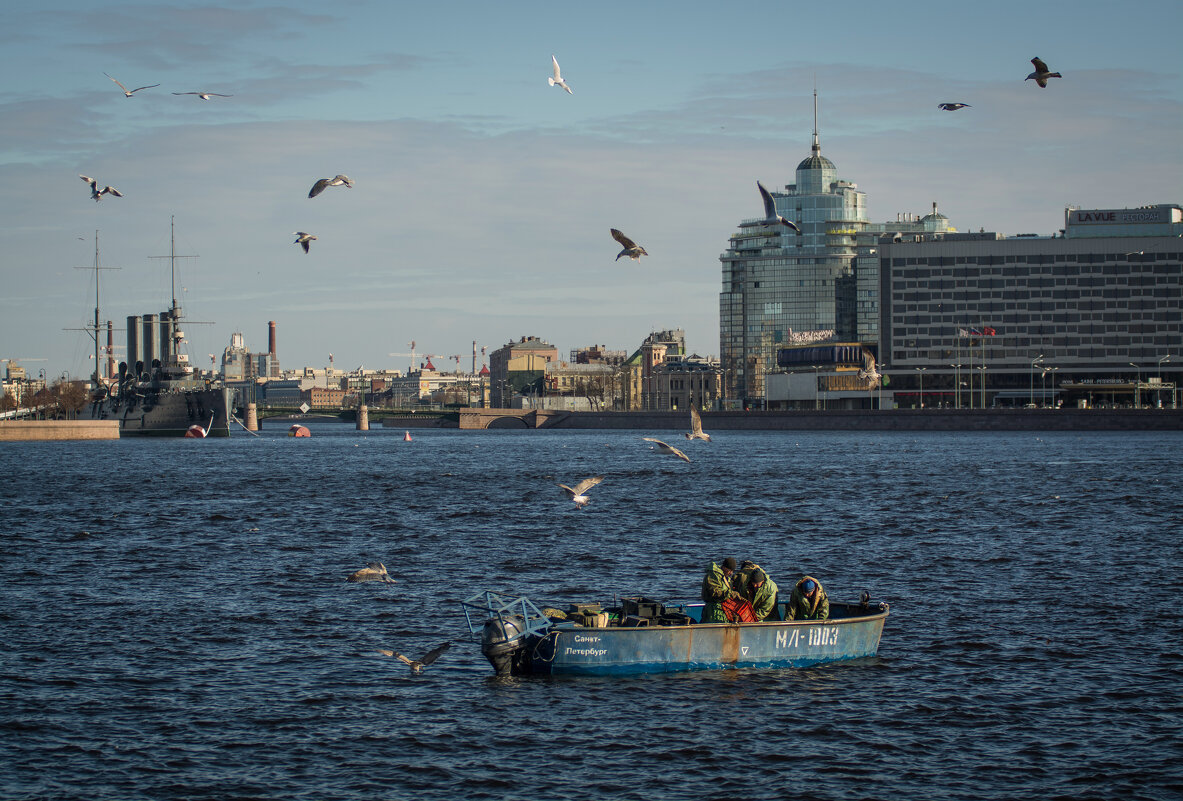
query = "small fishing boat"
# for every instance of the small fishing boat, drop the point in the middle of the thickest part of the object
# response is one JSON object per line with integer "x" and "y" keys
{"x": 644, "y": 636}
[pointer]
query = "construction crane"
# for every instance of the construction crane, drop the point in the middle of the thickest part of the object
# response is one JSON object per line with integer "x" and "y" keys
{"x": 411, "y": 354}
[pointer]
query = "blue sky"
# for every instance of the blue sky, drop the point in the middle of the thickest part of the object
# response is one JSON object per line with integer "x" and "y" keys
{"x": 483, "y": 197}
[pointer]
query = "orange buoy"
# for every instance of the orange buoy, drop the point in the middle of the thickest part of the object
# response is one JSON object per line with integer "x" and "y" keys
{"x": 298, "y": 430}
{"x": 406, "y": 436}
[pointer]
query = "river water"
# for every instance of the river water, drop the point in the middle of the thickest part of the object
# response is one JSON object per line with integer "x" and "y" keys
{"x": 176, "y": 623}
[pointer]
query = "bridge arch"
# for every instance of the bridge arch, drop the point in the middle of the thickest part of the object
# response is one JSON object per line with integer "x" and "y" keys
{"x": 507, "y": 421}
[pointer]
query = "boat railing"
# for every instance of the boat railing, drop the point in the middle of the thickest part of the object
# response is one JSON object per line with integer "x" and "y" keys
{"x": 486, "y": 605}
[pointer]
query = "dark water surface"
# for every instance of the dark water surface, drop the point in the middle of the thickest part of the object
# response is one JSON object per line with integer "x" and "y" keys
{"x": 175, "y": 621}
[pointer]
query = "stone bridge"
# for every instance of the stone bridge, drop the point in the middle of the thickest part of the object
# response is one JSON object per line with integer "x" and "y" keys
{"x": 472, "y": 419}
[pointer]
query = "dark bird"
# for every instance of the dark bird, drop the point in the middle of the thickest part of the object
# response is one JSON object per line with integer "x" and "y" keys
{"x": 663, "y": 447}
{"x": 97, "y": 193}
{"x": 303, "y": 239}
{"x": 770, "y": 215}
{"x": 319, "y": 186}
{"x": 1041, "y": 73}
{"x": 417, "y": 665}
{"x": 952, "y": 106}
{"x": 126, "y": 92}
{"x": 203, "y": 95}
{"x": 631, "y": 248}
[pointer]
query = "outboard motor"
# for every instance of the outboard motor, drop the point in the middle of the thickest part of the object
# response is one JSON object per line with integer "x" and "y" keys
{"x": 503, "y": 642}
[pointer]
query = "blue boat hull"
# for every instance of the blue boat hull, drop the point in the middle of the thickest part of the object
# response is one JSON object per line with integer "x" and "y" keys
{"x": 852, "y": 633}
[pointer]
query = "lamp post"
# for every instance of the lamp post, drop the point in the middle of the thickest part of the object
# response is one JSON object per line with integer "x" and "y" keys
{"x": 1034, "y": 362}
{"x": 1137, "y": 386}
{"x": 956, "y": 385}
{"x": 1166, "y": 358}
{"x": 816, "y": 386}
{"x": 882, "y": 373}
{"x": 982, "y": 367}
{"x": 1042, "y": 391}
{"x": 921, "y": 371}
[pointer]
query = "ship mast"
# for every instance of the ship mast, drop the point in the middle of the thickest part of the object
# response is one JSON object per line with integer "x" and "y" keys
{"x": 93, "y": 330}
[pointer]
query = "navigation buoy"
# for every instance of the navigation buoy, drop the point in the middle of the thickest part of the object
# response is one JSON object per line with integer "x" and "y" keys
{"x": 195, "y": 432}
{"x": 406, "y": 436}
{"x": 298, "y": 430}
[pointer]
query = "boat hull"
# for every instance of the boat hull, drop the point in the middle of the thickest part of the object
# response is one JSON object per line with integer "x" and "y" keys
{"x": 165, "y": 413}
{"x": 570, "y": 649}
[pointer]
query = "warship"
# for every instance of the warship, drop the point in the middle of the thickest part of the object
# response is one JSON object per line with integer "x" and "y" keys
{"x": 156, "y": 392}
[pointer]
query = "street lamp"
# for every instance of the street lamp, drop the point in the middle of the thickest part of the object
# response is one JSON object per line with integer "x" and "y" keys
{"x": 1043, "y": 392}
{"x": 1137, "y": 386}
{"x": 921, "y": 371}
{"x": 956, "y": 385}
{"x": 1038, "y": 359}
{"x": 1166, "y": 358}
{"x": 982, "y": 367}
{"x": 882, "y": 374}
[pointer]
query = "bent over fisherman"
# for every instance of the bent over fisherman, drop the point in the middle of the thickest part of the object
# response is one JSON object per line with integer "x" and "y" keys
{"x": 716, "y": 588}
{"x": 808, "y": 601}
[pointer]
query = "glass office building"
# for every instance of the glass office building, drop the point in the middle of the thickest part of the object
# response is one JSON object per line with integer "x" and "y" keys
{"x": 781, "y": 288}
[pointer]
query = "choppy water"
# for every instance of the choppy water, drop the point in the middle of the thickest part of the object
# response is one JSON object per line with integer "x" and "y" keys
{"x": 175, "y": 621}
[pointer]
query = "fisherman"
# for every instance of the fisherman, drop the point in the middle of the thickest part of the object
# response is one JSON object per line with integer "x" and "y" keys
{"x": 717, "y": 588}
{"x": 808, "y": 601}
{"x": 762, "y": 594}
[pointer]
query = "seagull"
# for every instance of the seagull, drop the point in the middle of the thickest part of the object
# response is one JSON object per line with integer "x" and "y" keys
{"x": 631, "y": 248}
{"x": 664, "y": 448}
{"x": 203, "y": 95}
{"x": 770, "y": 215}
{"x": 558, "y": 79}
{"x": 952, "y": 106}
{"x": 126, "y": 93}
{"x": 696, "y": 426}
{"x": 96, "y": 193}
{"x": 417, "y": 665}
{"x": 578, "y": 492}
{"x": 374, "y": 571}
{"x": 1041, "y": 73}
{"x": 319, "y": 186}
{"x": 868, "y": 372}
{"x": 303, "y": 239}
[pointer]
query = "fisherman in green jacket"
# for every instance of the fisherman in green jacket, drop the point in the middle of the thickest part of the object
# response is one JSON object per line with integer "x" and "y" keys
{"x": 716, "y": 588}
{"x": 762, "y": 593}
{"x": 808, "y": 601}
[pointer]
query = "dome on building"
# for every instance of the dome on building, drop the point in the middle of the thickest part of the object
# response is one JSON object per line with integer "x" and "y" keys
{"x": 935, "y": 216}
{"x": 816, "y": 162}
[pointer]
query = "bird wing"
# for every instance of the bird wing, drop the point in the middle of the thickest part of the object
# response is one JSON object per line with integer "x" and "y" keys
{"x": 790, "y": 224}
{"x": 117, "y": 83}
{"x": 1039, "y": 65}
{"x": 769, "y": 205}
{"x": 90, "y": 181}
{"x": 188, "y": 93}
{"x": 868, "y": 361}
{"x": 678, "y": 453}
{"x": 402, "y": 658}
{"x": 652, "y": 439}
{"x": 340, "y": 180}
{"x": 150, "y": 86}
{"x": 112, "y": 190}
{"x": 587, "y": 483}
{"x": 384, "y": 652}
{"x": 571, "y": 493}
{"x": 622, "y": 239}
{"x": 558, "y": 77}
{"x": 318, "y": 187}
{"x": 695, "y": 421}
{"x": 435, "y": 653}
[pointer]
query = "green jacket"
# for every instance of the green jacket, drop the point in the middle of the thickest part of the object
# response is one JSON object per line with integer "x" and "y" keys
{"x": 716, "y": 588}
{"x": 763, "y": 599}
{"x": 801, "y": 609}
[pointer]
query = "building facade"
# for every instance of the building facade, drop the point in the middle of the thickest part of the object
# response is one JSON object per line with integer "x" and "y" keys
{"x": 519, "y": 368}
{"x": 780, "y": 287}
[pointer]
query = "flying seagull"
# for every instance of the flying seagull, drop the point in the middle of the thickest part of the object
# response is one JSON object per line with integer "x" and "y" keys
{"x": 664, "y": 448}
{"x": 319, "y": 186}
{"x": 557, "y": 80}
{"x": 770, "y": 215}
{"x": 952, "y": 106}
{"x": 303, "y": 239}
{"x": 126, "y": 93}
{"x": 374, "y": 571}
{"x": 203, "y": 95}
{"x": 1041, "y": 73}
{"x": 631, "y": 248}
{"x": 577, "y": 493}
{"x": 417, "y": 665}
{"x": 97, "y": 193}
{"x": 696, "y": 426}
{"x": 868, "y": 372}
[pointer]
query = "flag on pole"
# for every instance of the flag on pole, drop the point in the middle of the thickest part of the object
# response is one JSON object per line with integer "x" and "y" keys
{"x": 989, "y": 332}
{"x": 961, "y": 332}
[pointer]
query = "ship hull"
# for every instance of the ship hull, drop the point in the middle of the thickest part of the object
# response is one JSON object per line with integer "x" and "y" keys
{"x": 165, "y": 413}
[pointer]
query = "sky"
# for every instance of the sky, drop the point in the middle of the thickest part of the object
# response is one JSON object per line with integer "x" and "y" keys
{"x": 483, "y": 197}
